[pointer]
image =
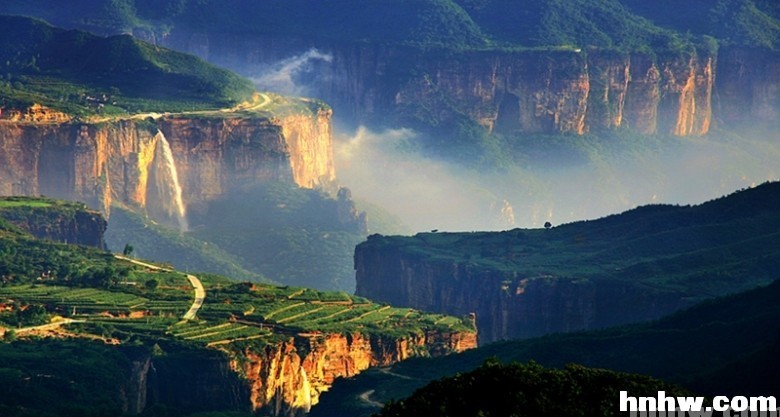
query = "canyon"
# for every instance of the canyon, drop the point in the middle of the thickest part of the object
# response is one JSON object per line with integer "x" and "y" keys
{"x": 570, "y": 90}
{"x": 119, "y": 160}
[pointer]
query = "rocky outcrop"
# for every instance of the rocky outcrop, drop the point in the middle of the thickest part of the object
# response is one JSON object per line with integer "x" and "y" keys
{"x": 191, "y": 380}
{"x": 287, "y": 378}
{"x": 101, "y": 163}
{"x": 565, "y": 91}
{"x": 34, "y": 114}
{"x": 748, "y": 86}
{"x": 310, "y": 146}
{"x": 60, "y": 222}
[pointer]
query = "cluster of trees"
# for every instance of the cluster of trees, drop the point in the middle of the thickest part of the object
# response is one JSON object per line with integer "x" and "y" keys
{"x": 495, "y": 390}
{"x": 21, "y": 315}
{"x": 27, "y": 260}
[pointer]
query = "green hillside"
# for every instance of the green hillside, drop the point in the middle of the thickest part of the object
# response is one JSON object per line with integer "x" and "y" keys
{"x": 614, "y": 24}
{"x": 726, "y": 346}
{"x": 697, "y": 252}
{"x": 291, "y": 235}
{"x": 579, "y": 23}
{"x": 754, "y": 23}
{"x": 156, "y": 242}
{"x": 78, "y": 281}
{"x": 528, "y": 390}
{"x": 81, "y": 314}
{"x": 81, "y": 74}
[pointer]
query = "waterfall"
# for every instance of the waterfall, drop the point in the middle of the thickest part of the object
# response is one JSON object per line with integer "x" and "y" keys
{"x": 166, "y": 182}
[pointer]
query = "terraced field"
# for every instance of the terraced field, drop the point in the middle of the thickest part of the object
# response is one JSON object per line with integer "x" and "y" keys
{"x": 77, "y": 300}
{"x": 232, "y": 312}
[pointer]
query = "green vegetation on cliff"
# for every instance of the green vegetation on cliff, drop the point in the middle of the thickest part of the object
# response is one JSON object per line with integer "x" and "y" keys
{"x": 156, "y": 242}
{"x": 746, "y": 23}
{"x": 80, "y": 74}
{"x": 62, "y": 221}
{"x": 82, "y": 376}
{"x": 577, "y": 24}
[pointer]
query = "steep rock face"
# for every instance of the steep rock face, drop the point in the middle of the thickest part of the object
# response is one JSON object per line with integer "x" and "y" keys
{"x": 85, "y": 228}
{"x": 191, "y": 381}
{"x": 286, "y": 379}
{"x": 569, "y": 91}
{"x": 112, "y": 161}
{"x": 310, "y": 148}
{"x": 506, "y": 306}
{"x": 75, "y": 225}
{"x": 748, "y": 85}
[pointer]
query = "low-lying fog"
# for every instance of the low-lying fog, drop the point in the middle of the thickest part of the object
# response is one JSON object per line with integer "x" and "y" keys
{"x": 428, "y": 194}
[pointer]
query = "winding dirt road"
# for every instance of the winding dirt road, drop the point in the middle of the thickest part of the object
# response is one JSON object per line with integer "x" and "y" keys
{"x": 259, "y": 101}
{"x": 200, "y": 295}
{"x": 200, "y": 292}
{"x": 46, "y": 327}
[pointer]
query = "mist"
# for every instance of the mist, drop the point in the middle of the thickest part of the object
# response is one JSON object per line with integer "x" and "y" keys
{"x": 577, "y": 178}
{"x": 383, "y": 168}
{"x": 284, "y": 77}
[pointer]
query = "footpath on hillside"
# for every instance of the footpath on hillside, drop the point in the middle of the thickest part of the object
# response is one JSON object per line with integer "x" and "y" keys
{"x": 200, "y": 292}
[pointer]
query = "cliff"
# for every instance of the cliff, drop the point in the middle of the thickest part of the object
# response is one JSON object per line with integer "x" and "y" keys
{"x": 526, "y": 91}
{"x": 286, "y": 379}
{"x": 59, "y": 221}
{"x": 507, "y": 304}
{"x": 281, "y": 378}
{"x": 636, "y": 266}
{"x": 123, "y": 160}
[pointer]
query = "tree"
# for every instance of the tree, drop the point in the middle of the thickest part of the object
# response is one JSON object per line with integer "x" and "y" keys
{"x": 151, "y": 284}
{"x": 128, "y": 250}
{"x": 10, "y": 335}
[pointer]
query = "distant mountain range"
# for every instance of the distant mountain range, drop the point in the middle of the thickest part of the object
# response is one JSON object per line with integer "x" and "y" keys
{"x": 622, "y": 24}
{"x": 80, "y": 74}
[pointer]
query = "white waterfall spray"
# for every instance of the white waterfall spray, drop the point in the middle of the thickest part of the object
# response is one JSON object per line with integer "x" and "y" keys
{"x": 167, "y": 182}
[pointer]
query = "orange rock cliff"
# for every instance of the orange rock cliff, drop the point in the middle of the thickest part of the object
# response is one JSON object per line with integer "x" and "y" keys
{"x": 283, "y": 378}
{"x": 565, "y": 91}
{"x": 101, "y": 163}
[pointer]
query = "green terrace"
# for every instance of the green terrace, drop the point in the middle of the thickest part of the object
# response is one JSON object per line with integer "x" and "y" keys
{"x": 149, "y": 304}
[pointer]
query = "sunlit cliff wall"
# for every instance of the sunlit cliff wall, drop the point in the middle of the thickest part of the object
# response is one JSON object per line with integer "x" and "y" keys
{"x": 288, "y": 378}
{"x": 573, "y": 91}
{"x": 111, "y": 161}
{"x": 284, "y": 378}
